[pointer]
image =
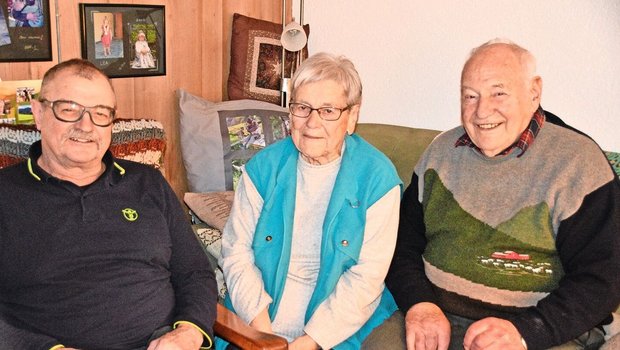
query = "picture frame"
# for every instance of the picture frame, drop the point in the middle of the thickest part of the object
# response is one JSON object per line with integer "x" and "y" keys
{"x": 15, "y": 100}
{"x": 124, "y": 40}
{"x": 25, "y": 31}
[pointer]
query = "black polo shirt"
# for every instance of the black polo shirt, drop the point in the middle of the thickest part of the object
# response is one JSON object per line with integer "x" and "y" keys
{"x": 101, "y": 266}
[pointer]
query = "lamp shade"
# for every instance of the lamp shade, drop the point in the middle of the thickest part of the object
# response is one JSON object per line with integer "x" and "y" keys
{"x": 293, "y": 37}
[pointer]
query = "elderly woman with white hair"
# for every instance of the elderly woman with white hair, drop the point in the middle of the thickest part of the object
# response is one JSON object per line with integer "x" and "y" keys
{"x": 313, "y": 227}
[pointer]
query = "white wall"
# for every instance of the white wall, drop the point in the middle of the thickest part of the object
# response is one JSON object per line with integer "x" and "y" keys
{"x": 410, "y": 53}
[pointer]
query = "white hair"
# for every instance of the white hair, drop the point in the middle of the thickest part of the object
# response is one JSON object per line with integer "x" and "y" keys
{"x": 526, "y": 58}
{"x": 327, "y": 66}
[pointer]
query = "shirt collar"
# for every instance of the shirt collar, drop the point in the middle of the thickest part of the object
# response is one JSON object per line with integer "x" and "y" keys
{"x": 112, "y": 173}
{"x": 524, "y": 142}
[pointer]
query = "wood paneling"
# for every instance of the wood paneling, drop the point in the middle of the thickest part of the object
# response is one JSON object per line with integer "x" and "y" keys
{"x": 197, "y": 60}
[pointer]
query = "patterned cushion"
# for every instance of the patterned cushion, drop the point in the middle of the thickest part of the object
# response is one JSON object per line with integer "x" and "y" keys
{"x": 218, "y": 138}
{"x": 140, "y": 140}
{"x": 255, "y": 57}
{"x": 15, "y": 141}
{"x": 212, "y": 208}
{"x": 211, "y": 241}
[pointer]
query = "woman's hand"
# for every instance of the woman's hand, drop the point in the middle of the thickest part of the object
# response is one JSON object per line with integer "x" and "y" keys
{"x": 304, "y": 343}
{"x": 262, "y": 322}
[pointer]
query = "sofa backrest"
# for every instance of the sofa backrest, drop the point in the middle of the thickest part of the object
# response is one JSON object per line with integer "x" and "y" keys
{"x": 403, "y": 145}
{"x": 140, "y": 140}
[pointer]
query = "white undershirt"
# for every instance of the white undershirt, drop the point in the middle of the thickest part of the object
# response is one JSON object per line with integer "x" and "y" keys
{"x": 314, "y": 188}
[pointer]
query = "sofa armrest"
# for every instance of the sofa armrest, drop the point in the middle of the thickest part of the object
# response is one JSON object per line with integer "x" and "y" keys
{"x": 231, "y": 328}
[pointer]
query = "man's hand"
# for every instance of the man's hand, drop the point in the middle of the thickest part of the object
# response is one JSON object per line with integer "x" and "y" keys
{"x": 305, "y": 342}
{"x": 427, "y": 328}
{"x": 492, "y": 333}
{"x": 184, "y": 337}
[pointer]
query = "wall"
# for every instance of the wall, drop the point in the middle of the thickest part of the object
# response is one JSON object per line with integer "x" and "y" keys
{"x": 410, "y": 54}
{"x": 197, "y": 59}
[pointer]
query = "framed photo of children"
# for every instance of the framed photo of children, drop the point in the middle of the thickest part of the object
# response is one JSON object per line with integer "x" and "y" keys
{"x": 25, "y": 33}
{"x": 124, "y": 40}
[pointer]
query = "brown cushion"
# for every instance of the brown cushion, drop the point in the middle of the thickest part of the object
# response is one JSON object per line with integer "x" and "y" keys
{"x": 255, "y": 55}
{"x": 212, "y": 207}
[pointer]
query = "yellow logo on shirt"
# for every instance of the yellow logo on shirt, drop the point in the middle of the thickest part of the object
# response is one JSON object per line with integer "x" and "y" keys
{"x": 130, "y": 214}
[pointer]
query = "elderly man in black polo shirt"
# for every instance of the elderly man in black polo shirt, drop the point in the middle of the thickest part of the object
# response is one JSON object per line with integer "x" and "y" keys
{"x": 95, "y": 252}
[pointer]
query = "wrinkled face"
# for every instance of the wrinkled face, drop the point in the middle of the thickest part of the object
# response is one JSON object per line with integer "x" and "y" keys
{"x": 318, "y": 140}
{"x": 498, "y": 99}
{"x": 80, "y": 144}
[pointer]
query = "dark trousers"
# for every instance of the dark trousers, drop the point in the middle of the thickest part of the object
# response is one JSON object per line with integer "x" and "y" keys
{"x": 391, "y": 335}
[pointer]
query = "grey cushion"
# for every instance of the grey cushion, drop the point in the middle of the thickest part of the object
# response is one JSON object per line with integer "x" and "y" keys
{"x": 218, "y": 138}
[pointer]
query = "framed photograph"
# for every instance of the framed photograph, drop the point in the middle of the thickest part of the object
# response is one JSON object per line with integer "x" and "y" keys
{"x": 124, "y": 40}
{"x": 25, "y": 33}
{"x": 15, "y": 97}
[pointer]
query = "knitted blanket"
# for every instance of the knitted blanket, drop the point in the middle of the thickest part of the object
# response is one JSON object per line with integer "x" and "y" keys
{"x": 140, "y": 140}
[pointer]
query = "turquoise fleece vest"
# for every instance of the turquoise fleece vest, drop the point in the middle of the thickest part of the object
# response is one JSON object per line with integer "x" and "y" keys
{"x": 365, "y": 176}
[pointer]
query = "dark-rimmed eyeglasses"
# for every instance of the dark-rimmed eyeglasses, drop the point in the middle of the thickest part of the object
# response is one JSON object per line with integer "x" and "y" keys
{"x": 71, "y": 112}
{"x": 302, "y": 110}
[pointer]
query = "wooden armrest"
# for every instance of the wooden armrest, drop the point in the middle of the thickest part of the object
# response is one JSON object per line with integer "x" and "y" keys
{"x": 231, "y": 328}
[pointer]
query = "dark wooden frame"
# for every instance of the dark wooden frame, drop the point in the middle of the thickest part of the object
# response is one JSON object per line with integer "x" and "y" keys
{"x": 26, "y": 43}
{"x": 127, "y": 21}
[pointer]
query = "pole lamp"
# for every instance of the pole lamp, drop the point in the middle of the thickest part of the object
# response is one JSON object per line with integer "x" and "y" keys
{"x": 293, "y": 39}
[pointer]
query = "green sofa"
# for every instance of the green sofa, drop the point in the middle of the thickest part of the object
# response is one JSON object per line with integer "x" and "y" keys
{"x": 403, "y": 145}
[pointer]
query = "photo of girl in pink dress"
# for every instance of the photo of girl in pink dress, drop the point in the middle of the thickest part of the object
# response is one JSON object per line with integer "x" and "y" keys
{"x": 106, "y": 36}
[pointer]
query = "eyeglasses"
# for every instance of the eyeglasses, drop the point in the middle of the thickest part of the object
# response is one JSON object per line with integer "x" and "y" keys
{"x": 302, "y": 110}
{"x": 72, "y": 112}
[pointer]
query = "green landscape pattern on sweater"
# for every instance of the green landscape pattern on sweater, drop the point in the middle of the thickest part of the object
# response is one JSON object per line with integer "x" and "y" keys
{"x": 498, "y": 253}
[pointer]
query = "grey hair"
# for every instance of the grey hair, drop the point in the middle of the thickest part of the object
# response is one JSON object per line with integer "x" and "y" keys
{"x": 327, "y": 66}
{"x": 78, "y": 67}
{"x": 526, "y": 58}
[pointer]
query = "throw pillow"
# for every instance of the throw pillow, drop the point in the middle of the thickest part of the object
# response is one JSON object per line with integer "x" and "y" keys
{"x": 15, "y": 140}
{"x": 217, "y": 139}
{"x": 211, "y": 242}
{"x": 139, "y": 140}
{"x": 212, "y": 208}
{"x": 255, "y": 59}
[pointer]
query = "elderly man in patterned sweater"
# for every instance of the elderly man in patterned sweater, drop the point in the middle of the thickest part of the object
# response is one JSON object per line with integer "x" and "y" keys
{"x": 509, "y": 233}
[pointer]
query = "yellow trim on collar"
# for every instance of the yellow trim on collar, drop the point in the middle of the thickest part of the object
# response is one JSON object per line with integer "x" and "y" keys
{"x": 59, "y": 346}
{"x": 120, "y": 168}
{"x": 36, "y": 177}
{"x": 177, "y": 323}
